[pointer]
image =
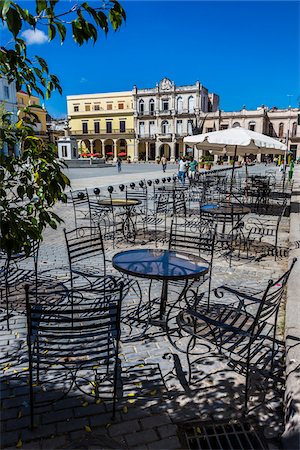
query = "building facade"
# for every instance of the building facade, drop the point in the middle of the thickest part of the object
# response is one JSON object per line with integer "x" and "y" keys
{"x": 145, "y": 124}
{"x": 103, "y": 124}
{"x": 282, "y": 124}
{"x": 165, "y": 114}
{"x": 40, "y": 127}
{"x": 8, "y": 102}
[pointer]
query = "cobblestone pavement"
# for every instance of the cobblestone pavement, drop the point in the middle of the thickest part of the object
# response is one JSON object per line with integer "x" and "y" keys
{"x": 156, "y": 395}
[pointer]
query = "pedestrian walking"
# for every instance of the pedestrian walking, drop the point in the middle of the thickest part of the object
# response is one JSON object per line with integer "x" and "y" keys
{"x": 182, "y": 169}
{"x": 192, "y": 168}
{"x": 163, "y": 163}
{"x": 291, "y": 171}
{"x": 119, "y": 164}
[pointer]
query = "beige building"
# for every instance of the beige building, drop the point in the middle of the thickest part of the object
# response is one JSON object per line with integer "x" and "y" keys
{"x": 144, "y": 124}
{"x": 103, "y": 124}
{"x": 24, "y": 100}
{"x": 282, "y": 124}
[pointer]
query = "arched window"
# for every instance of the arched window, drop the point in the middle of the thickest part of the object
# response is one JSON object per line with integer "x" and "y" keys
{"x": 294, "y": 129}
{"x": 280, "y": 130}
{"x": 236, "y": 124}
{"x": 141, "y": 106}
{"x": 179, "y": 104}
{"x": 165, "y": 127}
{"x": 151, "y": 106}
{"x": 251, "y": 126}
{"x": 191, "y": 104}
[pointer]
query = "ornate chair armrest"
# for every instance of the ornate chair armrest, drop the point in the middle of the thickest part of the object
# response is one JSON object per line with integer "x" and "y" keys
{"x": 245, "y": 299}
{"x": 217, "y": 324}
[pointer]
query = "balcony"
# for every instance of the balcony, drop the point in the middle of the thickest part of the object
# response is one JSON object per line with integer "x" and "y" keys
{"x": 145, "y": 113}
{"x": 164, "y": 136}
{"x": 146, "y": 136}
{"x": 102, "y": 132}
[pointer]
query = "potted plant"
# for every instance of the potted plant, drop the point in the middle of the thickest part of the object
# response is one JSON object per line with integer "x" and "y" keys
{"x": 128, "y": 159}
{"x": 201, "y": 163}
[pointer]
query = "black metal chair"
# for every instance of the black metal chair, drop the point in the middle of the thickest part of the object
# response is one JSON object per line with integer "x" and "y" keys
{"x": 201, "y": 243}
{"x": 261, "y": 235}
{"x": 73, "y": 343}
{"x": 81, "y": 205}
{"x": 13, "y": 274}
{"x": 86, "y": 256}
{"x": 241, "y": 332}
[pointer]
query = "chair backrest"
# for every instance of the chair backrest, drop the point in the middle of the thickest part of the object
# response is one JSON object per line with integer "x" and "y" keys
{"x": 179, "y": 203}
{"x": 81, "y": 203}
{"x": 270, "y": 302}
{"x": 84, "y": 243}
{"x": 163, "y": 202}
{"x": 201, "y": 243}
{"x": 11, "y": 261}
{"x": 80, "y": 323}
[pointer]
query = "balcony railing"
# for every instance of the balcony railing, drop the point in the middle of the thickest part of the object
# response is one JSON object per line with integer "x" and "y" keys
{"x": 146, "y": 136}
{"x": 113, "y": 131}
{"x": 146, "y": 113}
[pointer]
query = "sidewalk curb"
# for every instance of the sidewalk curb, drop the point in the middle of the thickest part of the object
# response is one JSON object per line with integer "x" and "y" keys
{"x": 291, "y": 435}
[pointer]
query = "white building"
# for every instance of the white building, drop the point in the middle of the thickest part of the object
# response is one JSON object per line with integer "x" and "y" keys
{"x": 167, "y": 113}
{"x": 8, "y": 101}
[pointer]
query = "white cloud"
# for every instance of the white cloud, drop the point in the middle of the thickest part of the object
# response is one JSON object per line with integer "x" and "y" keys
{"x": 83, "y": 80}
{"x": 34, "y": 37}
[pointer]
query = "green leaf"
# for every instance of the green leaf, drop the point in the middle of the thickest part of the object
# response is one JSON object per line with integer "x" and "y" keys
{"x": 14, "y": 22}
{"x": 51, "y": 32}
{"x": 5, "y": 5}
{"x": 40, "y": 6}
{"x": 62, "y": 31}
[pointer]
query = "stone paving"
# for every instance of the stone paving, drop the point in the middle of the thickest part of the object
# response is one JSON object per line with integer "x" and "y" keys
{"x": 156, "y": 395}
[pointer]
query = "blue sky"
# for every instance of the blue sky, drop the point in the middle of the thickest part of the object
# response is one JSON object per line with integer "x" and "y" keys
{"x": 247, "y": 52}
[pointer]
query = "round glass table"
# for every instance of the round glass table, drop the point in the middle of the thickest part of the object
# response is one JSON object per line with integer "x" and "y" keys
{"x": 235, "y": 210}
{"x": 164, "y": 265}
{"x": 119, "y": 202}
{"x": 128, "y": 225}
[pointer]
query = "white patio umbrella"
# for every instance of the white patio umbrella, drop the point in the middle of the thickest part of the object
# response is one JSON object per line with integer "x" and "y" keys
{"x": 236, "y": 141}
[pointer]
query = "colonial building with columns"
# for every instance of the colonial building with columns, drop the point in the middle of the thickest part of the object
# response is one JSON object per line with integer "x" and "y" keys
{"x": 163, "y": 115}
{"x": 282, "y": 124}
{"x": 103, "y": 123}
{"x": 145, "y": 124}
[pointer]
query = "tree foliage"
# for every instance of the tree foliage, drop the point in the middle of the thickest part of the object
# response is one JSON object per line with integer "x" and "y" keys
{"x": 80, "y": 19}
{"x": 31, "y": 183}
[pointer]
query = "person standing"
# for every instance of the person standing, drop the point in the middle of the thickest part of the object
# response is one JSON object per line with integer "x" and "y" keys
{"x": 182, "y": 169}
{"x": 192, "y": 168}
{"x": 163, "y": 163}
{"x": 119, "y": 164}
{"x": 291, "y": 171}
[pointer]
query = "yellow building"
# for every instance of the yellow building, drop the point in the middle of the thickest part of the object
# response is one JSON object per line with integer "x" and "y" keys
{"x": 24, "y": 100}
{"x": 103, "y": 123}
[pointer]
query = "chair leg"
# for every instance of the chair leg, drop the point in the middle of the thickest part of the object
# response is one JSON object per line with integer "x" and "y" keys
{"x": 6, "y": 303}
{"x": 30, "y": 384}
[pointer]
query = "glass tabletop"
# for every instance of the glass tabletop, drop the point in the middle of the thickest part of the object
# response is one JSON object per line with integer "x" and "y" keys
{"x": 119, "y": 202}
{"x": 225, "y": 209}
{"x": 160, "y": 264}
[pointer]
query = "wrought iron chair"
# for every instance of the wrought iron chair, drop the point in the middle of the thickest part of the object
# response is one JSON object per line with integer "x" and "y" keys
{"x": 13, "y": 275}
{"x": 81, "y": 205}
{"x": 86, "y": 250}
{"x": 201, "y": 243}
{"x": 241, "y": 332}
{"x": 261, "y": 237}
{"x": 79, "y": 333}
